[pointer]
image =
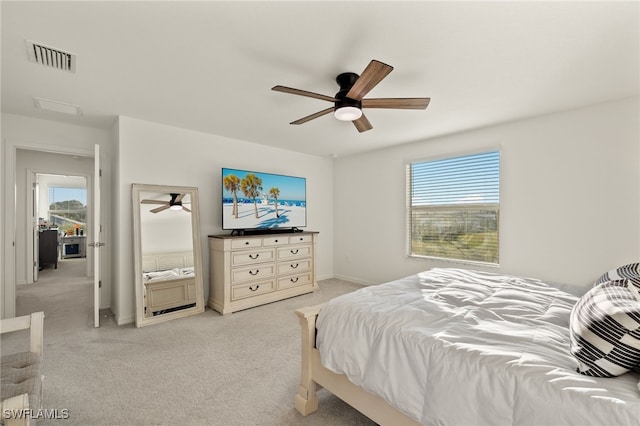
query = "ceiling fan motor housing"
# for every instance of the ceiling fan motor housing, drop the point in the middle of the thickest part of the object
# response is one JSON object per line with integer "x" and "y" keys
{"x": 346, "y": 80}
{"x": 174, "y": 200}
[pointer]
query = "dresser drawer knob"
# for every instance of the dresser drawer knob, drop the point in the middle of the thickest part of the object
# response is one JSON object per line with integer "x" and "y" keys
{"x": 294, "y": 251}
{"x": 246, "y": 243}
{"x": 256, "y": 256}
{"x": 294, "y": 280}
{"x": 254, "y": 289}
{"x": 254, "y": 273}
{"x": 294, "y": 266}
{"x": 276, "y": 241}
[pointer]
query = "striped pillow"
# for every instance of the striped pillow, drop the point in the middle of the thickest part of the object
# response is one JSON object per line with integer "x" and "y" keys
{"x": 630, "y": 271}
{"x": 605, "y": 329}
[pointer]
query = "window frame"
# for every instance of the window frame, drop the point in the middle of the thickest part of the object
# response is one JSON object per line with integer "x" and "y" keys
{"x": 408, "y": 207}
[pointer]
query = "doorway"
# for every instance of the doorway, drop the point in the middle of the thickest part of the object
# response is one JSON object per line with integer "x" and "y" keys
{"x": 61, "y": 223}
{"x": 54, "y": 201}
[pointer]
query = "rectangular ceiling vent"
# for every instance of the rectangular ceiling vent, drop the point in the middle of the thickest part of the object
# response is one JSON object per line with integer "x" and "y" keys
{"x": 51, "y": 57}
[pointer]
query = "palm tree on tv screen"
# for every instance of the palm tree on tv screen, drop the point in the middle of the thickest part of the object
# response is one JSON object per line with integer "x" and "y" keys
{"x": 251, "y": 185}
{"x": 275, "y": 192}
{"x": 232, "y": 184}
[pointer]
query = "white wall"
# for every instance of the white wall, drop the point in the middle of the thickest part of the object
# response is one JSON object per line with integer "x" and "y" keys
{"x": 166, "y": 231}
{"x": 569, "y": 208}
{"x": 19, "y": 132}
{"x": 152, "y": 153}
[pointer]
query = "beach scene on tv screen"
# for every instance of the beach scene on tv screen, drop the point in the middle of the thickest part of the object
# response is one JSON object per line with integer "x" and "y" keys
{"x": 253, "y": 200}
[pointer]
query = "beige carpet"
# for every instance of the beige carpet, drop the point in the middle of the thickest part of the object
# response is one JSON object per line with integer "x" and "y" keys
{"x": 240, "y": 369}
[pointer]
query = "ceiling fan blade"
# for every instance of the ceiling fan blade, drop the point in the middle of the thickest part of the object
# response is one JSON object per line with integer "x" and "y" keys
{"x": 179, "y": 198}
{"x": 396, "y": 103}
{"x": 312, "y": 116}
{"x": 362, "y": 124}
{"x": 152, "y": 202}
{"x": 186, "y": 209}
{"x": 303, "y": 93}
{"x": 370, "y": 77}
{"x": 159, "y": 209}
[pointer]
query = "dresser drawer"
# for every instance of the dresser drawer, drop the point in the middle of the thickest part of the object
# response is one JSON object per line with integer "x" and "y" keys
{"x": 294, "y": 266}
{"x": 294, "y": 252}
{"x": 247, "y": 257}
{"x": 250, "y": 290}
{"x": 299, "y": 239}
{"x": 294, "y": 280}
{"x": 246, "y": 243}
{"x": 256, "y": 272}
{"x": 275, "y": 241}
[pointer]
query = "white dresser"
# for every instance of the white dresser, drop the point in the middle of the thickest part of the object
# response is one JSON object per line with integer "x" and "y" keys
{"x": 248, "y": 271}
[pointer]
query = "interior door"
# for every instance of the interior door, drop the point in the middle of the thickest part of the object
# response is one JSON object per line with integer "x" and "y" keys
{"x": 97, "y": 244}
{"x": 35, "y": 224}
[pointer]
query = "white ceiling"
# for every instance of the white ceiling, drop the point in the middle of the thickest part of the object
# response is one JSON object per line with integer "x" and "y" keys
{"x": 209, "y": 66}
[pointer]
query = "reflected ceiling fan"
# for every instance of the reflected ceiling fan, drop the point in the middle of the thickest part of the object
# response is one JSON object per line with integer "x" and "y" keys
{"x": 349, "y": 101}
{"x": 175, "y": 203}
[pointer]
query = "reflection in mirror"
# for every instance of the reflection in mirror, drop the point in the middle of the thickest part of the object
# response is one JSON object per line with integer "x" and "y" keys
{"x": 168, "y": 262}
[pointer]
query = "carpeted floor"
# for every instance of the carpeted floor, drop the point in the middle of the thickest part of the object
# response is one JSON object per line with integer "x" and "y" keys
{"x": 207, "y": 369}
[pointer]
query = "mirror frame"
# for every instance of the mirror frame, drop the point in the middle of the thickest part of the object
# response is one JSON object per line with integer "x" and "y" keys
{"x": 137, "y": 190}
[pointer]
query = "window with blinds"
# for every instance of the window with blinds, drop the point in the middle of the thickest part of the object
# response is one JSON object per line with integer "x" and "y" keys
{"x": 454, "y": 207}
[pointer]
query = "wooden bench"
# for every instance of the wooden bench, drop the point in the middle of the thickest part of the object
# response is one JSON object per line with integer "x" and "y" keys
{"x": 21, "y": 373}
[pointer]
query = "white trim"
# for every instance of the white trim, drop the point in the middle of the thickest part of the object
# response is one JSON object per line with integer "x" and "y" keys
{"x": 354, "y": 280}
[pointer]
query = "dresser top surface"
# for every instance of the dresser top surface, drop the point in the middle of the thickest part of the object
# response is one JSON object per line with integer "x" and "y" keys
{"x": 265, "y": 235}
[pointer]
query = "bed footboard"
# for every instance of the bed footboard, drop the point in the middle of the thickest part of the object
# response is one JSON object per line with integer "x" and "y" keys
{"x": 306, "y": 401}
{"x": 314, "y": 376}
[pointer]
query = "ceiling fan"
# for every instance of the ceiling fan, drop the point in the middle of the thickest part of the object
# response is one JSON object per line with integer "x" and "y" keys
{"x": 349, "y": 101}
{"x": 175, "y": 203}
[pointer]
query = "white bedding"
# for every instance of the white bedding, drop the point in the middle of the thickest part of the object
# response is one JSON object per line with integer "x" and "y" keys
{"x": 456, "y": 347}
{"x": 169, "y": 274}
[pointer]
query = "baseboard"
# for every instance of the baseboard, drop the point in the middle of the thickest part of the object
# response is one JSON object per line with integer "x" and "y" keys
{"x": 353, "y": 280}
{"x": 323, "y": 277}
{"x": 124, "y": 320}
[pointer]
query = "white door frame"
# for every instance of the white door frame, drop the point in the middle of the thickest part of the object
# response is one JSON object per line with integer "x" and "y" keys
{"x": 9, "y": 296}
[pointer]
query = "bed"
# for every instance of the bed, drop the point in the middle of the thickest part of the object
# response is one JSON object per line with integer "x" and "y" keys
{"x": 451, "y": 346}
{"x": 169, "y": 282}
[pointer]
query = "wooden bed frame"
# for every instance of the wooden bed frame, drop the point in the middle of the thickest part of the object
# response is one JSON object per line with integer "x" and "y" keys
{"x": 152, "y": 262}
{"x": 167, "y": 294}
{"x": 315, "y": 376}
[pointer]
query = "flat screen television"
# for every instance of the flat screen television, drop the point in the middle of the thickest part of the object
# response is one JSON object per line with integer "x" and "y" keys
{"x": 255, "y": 201}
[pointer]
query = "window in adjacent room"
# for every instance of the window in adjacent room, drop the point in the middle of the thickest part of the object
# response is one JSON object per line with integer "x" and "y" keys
{"x": 68, "y": 209}
{"x": 454, "y": 207}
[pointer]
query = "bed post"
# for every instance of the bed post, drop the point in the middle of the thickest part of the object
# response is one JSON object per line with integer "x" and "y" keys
{"x": 306, "y": 401}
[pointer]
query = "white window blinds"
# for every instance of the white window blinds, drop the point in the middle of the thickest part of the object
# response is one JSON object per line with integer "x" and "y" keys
{"x": 454, "y": 207}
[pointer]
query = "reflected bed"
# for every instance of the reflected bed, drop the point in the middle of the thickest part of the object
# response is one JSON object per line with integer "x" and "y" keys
{"x": 169, "y": 282}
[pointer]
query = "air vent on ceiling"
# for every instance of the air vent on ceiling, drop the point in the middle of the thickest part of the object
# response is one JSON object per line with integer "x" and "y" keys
{"x": 51, "y": 57}
{"x": 57, "y": 106}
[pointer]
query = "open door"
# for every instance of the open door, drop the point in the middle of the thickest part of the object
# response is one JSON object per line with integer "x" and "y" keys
{"x": 96, "y": 232}
{"x": 35, "y": 226}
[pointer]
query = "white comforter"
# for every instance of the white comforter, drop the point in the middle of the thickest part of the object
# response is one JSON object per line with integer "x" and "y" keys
{"x": 454, "y": 347}
{"x": 167, "y": 275}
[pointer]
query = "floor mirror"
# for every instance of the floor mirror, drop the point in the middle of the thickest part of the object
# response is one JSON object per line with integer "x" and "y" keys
{"x": 167, "y": 253}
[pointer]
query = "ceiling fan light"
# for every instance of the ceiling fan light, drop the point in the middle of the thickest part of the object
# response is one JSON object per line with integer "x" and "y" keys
{"x": 348, "y": 113}
{"x": 175, "y": 207}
